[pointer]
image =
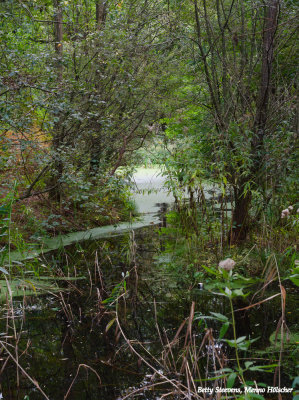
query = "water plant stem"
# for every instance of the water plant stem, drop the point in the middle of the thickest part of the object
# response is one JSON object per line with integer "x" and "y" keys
{"x": 235, "y": 339}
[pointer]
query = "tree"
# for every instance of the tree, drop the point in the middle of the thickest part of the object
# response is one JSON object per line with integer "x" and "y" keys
{"x": 238, "y": 43}
{"x": 101, "y": 11}
{"x": 55, "y": 191}
{"x": 96, "y": 86}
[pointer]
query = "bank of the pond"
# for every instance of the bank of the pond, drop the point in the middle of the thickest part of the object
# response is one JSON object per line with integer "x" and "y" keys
{"x": 55, "y": 243}
{"x": 148, "y": 194}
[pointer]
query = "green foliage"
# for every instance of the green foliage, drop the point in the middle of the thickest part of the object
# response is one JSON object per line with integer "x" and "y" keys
{"x": 234, "y": 288}
{"x": 91, "y": 104}
{"x": 186, "y": 83}
{"x": 112, "y": 300}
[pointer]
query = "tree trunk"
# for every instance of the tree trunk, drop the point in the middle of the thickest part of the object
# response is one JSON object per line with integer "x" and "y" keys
{"x": 240, "y": 217}
{"x": 230, "y": 102}
{"x": 270, "y": 27}
{"x": 240, "y": 220}
{"x": 55, "y": 180}
{"x": 101, "y": 12}
{"x": 58, "y": 35}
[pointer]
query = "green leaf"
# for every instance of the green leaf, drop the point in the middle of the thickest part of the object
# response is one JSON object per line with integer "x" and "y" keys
{"x": 295, "y": 279}
{"x": 238, "y": 343}
{"x": 240, "y": 339}
{"x": 108, "y": 300}
{"x": 223, "y": 330}
{"x": 209, "y": 270}
{"x": 199, "y": 316}
{"x": 263, "y": 368}
{"x": 219, "y": 316}
{"x": 295, "y": 382}
{"x": 231, "y": 380}
{"x": 110, "y": 323}
{"x": 224, "y": 370}
{"x": 248, "y": 364}
{"x": 4, "y": 271}
{"x": 238, "y": 292}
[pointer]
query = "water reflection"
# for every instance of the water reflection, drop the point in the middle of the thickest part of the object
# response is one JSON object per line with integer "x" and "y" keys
{"x": 67, "y": 341}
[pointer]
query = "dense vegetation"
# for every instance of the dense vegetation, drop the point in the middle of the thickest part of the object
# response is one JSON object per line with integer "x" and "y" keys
{"x": 85, "y": 84}
{"x": 206, "y": 91}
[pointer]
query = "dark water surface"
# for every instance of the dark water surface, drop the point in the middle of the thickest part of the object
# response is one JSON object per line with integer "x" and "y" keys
{"x": 71, "y": 345}
{"x": 65, "y": 332}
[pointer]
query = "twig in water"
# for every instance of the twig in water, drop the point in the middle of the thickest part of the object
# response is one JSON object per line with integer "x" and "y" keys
{"x": 78, "y": 369}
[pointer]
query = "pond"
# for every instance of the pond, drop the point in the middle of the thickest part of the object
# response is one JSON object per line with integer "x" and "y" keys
{"x": 111, "y": 329}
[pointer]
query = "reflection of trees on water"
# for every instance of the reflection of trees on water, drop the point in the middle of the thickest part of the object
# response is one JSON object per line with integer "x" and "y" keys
{"x": 54, "y": 362}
